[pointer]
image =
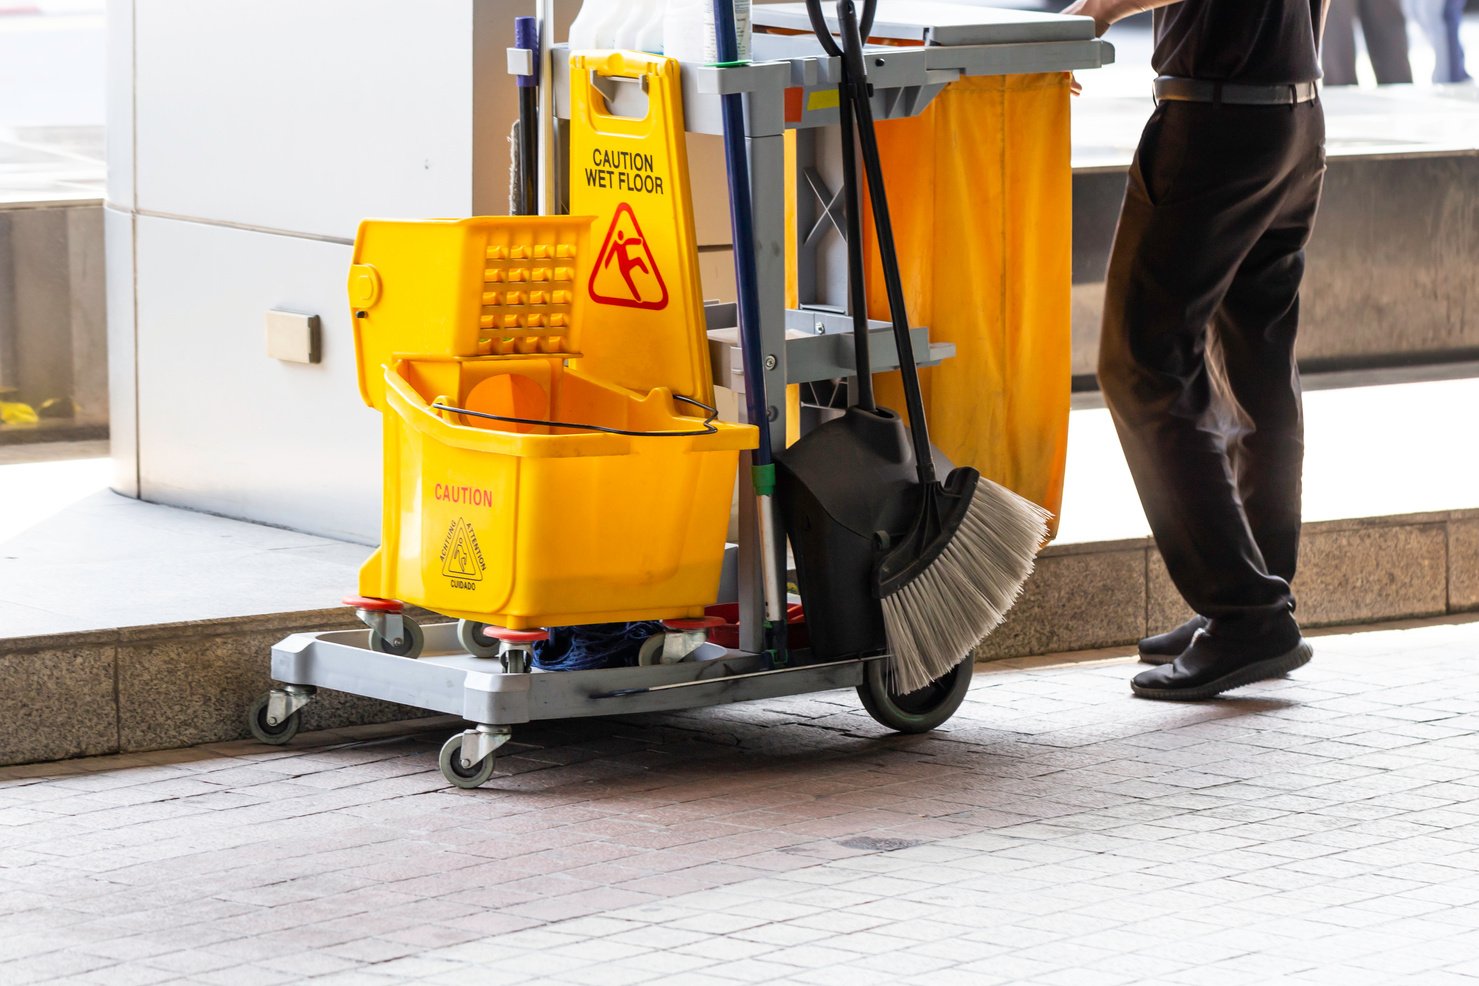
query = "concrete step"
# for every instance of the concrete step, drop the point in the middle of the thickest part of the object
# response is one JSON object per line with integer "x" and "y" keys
{"x": 1389, "y": 276}
{"x": 128, "y": 626}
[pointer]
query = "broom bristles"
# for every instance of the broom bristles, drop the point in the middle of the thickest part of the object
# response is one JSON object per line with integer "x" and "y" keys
{"x": 935, "y": 620}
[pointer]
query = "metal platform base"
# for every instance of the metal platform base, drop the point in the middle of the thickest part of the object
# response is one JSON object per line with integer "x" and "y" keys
{"x": 447, "y": 679}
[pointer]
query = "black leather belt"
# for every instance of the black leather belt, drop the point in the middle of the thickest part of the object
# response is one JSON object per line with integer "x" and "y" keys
{"x": 1236, "y": 93}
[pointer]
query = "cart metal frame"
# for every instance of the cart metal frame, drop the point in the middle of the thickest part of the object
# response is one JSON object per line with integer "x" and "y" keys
{"x": 801, "y": 345}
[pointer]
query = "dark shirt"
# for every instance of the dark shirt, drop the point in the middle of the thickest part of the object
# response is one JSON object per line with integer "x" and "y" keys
{"x": 1257, "y": 42}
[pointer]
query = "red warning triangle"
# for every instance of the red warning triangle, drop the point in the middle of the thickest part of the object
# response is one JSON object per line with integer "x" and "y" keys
{"x": 626, "y": 274}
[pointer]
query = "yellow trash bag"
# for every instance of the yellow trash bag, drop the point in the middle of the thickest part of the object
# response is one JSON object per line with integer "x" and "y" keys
{"x": 979, "y": 189}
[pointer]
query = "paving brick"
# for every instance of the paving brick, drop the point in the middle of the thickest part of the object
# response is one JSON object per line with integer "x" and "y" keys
{"x": 1277, "y": 835}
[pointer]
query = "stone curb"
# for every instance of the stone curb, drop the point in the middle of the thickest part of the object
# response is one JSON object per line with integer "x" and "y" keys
{"x": 179, "y": 684}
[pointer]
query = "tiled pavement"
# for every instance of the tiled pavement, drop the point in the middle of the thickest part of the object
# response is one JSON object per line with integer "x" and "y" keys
{"x": 1322, "y": 828}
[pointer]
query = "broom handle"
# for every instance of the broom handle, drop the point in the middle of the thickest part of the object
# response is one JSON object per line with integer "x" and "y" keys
{"x": 852, "y": 54}
{"x": 857, "y": 301}
{"x": 857, "y": 297}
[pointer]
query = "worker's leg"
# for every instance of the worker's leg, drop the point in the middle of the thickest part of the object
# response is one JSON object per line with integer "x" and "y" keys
{"x": 1255, "y": 405}
{"x": 1252, "y": 339}
{"x": 1338, "y": 49}
{"x": 1251, "y": 360}
{"x": 1385, "y": 30}
{"x": 1203, "y": 189}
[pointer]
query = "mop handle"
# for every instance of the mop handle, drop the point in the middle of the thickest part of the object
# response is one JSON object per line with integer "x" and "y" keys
{"x": 526, "y": 36}
{"x": 746, "y": 276}
{"x": 852, "y": 43}
{"x": 747, "y": 297}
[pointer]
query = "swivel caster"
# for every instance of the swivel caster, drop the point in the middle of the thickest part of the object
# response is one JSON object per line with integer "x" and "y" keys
{"x": 467, "y": 759}
{"x": 275, "y": 717}
{"x": 681, "y": 638}
{"x": 513, "y": 648}
{"x": 472, "y": 637}
{"x": 391, "y": 632}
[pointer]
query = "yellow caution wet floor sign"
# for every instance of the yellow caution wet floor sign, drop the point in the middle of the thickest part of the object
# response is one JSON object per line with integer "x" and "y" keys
{"x": 631, "y": 173}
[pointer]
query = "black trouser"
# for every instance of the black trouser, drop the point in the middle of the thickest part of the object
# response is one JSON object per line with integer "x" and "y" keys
{"x": 1196, "y": 357}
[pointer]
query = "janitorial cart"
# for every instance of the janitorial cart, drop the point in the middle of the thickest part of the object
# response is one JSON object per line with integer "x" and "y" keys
{"x": 554, "y": 451}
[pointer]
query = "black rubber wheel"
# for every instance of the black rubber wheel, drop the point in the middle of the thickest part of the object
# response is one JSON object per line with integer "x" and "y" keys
{"x": 265, "y": 732}
{"x": 450, "y": 761}
{"x": 470, "y": 638}
{"x": 410, "y": 645}
{"x": 915, "y": 712}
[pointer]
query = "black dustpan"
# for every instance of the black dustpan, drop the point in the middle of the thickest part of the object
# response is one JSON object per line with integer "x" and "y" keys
{"x": 847, "y": 490}
{"x": 889, "y": 557}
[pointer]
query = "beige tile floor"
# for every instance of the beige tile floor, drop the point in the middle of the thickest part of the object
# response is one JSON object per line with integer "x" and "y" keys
{"x": 1318, "y": 829}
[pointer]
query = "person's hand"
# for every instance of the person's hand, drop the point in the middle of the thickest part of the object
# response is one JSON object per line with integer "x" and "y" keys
{"x": 1090, "y": 8}
{"x": 1075, "y": 87}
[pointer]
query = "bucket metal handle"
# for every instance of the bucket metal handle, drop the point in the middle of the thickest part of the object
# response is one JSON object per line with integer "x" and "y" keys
{"x": 708, "y": 428}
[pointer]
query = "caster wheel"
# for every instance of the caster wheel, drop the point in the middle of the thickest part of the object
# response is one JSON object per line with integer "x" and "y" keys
{"x": 915, "y": 712}
{"x": 470, "y": 638}
{"x": 275, "y": 734}
{"x": 410, "y": 645}
{"x": 450, "y": 761}
{"x": 651, "y": 650}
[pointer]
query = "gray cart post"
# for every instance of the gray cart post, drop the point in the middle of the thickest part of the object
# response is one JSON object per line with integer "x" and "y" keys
{"x": 443, "y": 667}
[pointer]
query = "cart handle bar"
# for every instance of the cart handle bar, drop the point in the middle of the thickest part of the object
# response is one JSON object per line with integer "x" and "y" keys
{"x": 708, "y": 428}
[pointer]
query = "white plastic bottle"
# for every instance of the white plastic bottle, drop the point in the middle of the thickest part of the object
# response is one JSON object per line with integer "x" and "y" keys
{"x": 595, "y": 26}
{"x": 688, "y": 30}
{"x": 650, "y": 37}
{"x": 641, "y": 28}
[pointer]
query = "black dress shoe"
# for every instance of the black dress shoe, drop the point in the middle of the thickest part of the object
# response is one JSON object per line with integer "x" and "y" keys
{"x": 1211, "y": 666}
{"x": 1163, "y": 648}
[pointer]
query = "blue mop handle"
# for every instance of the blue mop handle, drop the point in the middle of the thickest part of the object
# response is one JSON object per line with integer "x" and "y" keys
{"x": 746, "y": 276}
{"x": 747, "y": 298}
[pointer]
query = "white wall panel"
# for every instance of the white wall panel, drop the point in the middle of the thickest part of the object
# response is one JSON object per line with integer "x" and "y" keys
{"x": 120, "y": 95}
{"x": 122, "y": 394}
{"x": 227, "y": 429}
{"x": 304, "y": 115}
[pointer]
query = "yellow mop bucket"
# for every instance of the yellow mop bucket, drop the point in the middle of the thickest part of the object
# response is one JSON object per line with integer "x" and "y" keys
{"x": 523, "y": 487}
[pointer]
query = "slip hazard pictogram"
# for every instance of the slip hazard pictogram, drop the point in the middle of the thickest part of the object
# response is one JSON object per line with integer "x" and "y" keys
{"x": 462, "y": 556}
{"x": 625, "y": 272}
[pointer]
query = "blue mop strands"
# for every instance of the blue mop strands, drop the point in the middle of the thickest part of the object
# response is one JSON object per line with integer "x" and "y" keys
{"x": 597, "y": 645}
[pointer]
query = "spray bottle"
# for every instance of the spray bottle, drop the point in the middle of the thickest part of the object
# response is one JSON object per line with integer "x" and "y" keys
{"x": 688, "y": 30}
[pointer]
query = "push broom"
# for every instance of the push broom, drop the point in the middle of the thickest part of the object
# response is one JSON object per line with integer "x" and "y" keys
{"x": 879, "y": 539}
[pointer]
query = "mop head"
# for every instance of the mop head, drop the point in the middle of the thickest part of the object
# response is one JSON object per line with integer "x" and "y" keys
{"x": 953, "y": 578}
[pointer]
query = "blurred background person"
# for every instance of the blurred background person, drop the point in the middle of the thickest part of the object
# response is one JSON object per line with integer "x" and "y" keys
{"x": 1439, "y": 21}
{"x": 1453, "y": 17}
{"x": 1385, "y": 30}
